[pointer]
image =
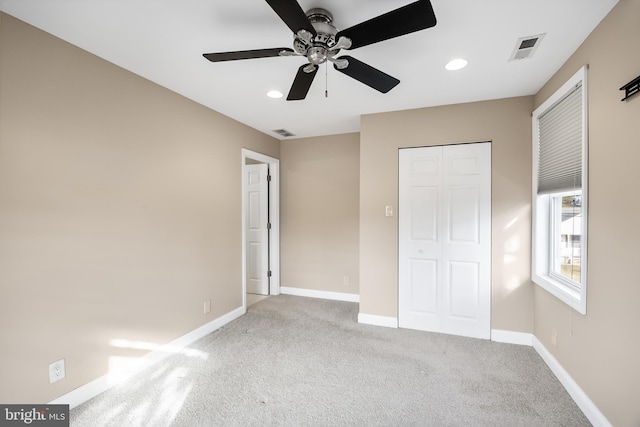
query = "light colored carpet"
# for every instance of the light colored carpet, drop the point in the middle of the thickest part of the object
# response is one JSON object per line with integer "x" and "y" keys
{"x": 254, "y": 298}
{"x": 294, "y": 361}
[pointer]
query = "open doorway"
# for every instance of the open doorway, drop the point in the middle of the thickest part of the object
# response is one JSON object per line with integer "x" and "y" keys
{"x": 260, "y": 226}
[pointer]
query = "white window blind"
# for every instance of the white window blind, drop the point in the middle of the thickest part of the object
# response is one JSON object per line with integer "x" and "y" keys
{"x": 560, "y": 145}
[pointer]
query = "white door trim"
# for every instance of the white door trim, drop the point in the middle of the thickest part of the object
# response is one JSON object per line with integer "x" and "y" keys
{"x": 274, "y": 215}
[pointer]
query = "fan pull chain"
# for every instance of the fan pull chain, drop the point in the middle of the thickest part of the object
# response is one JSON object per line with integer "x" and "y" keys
{"x": 326, "y": 81}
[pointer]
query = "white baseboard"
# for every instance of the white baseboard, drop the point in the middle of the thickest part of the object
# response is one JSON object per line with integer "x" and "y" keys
{"x": 512, "y": 337}
{"x": 338, "y": 296}
{"x": 105, "y": 382}
{"x": 589, "y": 409}
{"x": 374, "y": 319}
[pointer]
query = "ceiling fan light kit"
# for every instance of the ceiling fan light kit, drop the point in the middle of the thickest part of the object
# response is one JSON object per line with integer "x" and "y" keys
{"x": 316, "y": 39}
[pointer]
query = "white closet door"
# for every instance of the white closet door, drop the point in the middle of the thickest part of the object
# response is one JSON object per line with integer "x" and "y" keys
{"x": 420, "y": 252}
{"x": 445, "y": 239}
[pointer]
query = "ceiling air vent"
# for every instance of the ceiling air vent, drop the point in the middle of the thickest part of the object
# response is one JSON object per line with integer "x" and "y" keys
{"x": 526, "y": 47}
{"x": 283, "y": 132}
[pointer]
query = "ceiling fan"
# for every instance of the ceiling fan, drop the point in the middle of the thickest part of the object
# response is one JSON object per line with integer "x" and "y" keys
{"x": 319, "y": 41}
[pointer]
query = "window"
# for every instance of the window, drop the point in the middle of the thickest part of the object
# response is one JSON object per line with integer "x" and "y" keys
{"x": 559, "y": 232}
{"x": 566, "y": 214}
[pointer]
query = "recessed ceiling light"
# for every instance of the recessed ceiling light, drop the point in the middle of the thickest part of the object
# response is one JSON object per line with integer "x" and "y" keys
{"x": 456, "y": 64}
{"x": 274, "y": 94}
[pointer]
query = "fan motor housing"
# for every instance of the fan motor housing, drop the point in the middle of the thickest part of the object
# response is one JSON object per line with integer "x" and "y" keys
{"x": 317, "y": 48}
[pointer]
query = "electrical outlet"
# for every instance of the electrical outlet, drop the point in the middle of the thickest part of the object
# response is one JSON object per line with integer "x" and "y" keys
{"x": 345, "y": 280}
{"x": 56, "y": 371}
{"x": 554, "y": 337}
{"x": 207, "y": 306}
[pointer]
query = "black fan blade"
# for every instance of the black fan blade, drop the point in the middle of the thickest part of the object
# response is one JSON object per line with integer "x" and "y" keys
{"x": 245, "y": 54}
{"x": 407, "y": 19}
{"x": 301, "y": 84}
{"x": 368, "y": 75}
{"x": 292, "y": 15}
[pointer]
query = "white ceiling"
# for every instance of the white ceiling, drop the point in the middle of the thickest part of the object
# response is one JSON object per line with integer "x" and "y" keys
{"x": 163, "y": 41}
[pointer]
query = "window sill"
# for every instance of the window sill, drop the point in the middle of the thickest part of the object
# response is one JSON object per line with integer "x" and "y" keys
{"x": 572, "y": 297}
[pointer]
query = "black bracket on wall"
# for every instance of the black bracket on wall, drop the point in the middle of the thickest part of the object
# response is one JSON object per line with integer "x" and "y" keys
{"x": 631, "y": 88}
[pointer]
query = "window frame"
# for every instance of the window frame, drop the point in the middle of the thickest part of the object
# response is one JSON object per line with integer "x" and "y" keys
{"x": 542, "y": 209}
{"x": 555, "y": 208}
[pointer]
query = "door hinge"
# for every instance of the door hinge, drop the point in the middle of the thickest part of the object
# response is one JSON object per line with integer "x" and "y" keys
{"x": 269, "y": 273}
{"x": 268, "y": 177}
{"x": 268, "y": 226}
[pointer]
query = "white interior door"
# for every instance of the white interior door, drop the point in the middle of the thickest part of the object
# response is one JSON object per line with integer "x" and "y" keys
{"x": 444, "y": 256}
{"x": 257, "y": 232}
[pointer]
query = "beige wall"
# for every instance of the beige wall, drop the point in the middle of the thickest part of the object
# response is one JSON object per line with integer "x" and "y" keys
{"x": 507, "y": 123}
{"x": 119, "y": 213}
{"x": 601, "y": 350}
{"x": 319, "y": 213}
